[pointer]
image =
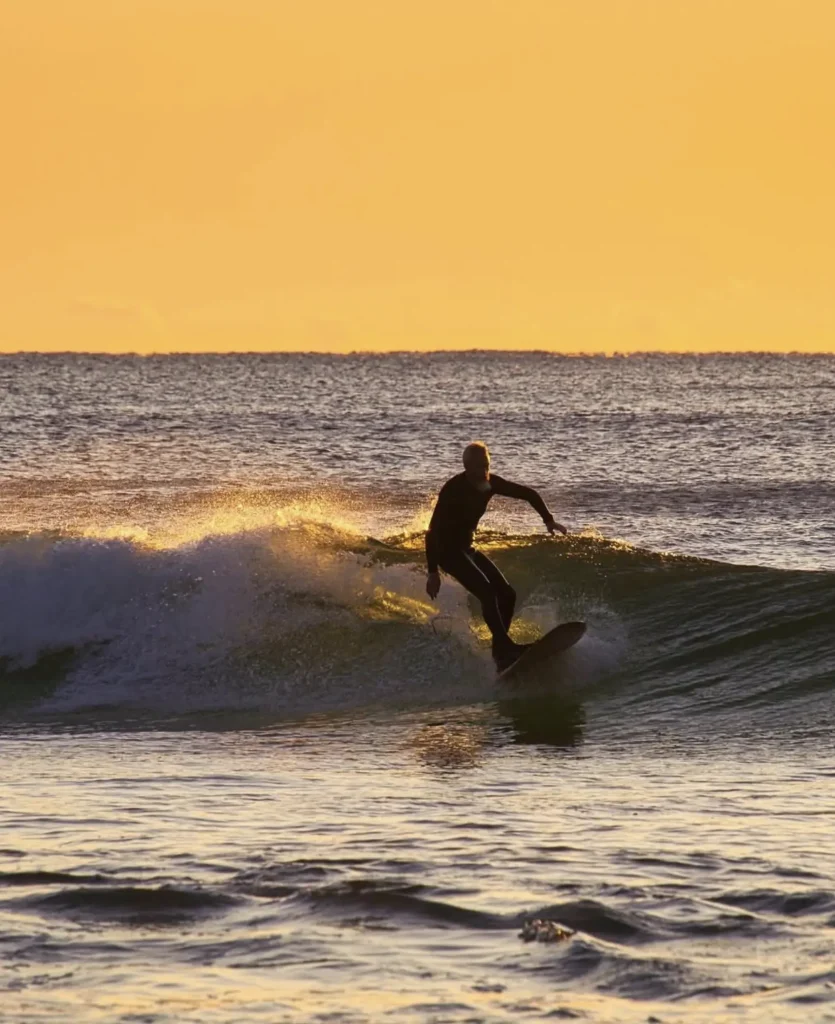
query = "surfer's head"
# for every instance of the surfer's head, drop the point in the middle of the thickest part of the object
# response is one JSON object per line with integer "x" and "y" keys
{"x": 477, "y": 463}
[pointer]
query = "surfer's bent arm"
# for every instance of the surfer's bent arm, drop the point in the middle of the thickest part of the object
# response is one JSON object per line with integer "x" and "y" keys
{"x": 439, "y": 515}
{"x": 508, "y": 489}
{"x": 431, "y": 551}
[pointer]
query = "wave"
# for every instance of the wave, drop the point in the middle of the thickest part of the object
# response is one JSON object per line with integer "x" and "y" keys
{"x": 277, "y": 913}
{"x": 132, "y": 905}
{"x": 304, "y": 617}
{"x": 298, "y": 891}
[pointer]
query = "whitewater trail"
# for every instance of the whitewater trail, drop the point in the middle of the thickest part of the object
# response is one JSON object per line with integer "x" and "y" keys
{"x": 298, "y": 618}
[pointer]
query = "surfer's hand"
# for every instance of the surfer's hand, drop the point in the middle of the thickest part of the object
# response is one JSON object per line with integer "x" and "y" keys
{"x": 433, "y": 584}
{"x": 552, "y": 526}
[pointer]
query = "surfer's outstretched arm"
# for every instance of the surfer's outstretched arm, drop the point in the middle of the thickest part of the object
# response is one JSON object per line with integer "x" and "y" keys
{"x": 511, "y": 490}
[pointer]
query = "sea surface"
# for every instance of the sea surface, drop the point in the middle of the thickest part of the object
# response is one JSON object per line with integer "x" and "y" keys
{"x": 251, "y": 772}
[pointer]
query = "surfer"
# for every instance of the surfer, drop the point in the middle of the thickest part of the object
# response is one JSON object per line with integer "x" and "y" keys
{"x": 461, "y": 503}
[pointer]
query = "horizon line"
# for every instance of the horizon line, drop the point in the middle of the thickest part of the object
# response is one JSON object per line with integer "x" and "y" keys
{"x": 577, "y": 354}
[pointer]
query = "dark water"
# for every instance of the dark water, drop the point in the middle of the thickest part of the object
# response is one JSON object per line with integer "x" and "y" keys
{"x": 252, "y": 774}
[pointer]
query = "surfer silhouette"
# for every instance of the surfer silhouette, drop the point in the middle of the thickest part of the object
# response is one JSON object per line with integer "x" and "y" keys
{"x": 461, "y": 503}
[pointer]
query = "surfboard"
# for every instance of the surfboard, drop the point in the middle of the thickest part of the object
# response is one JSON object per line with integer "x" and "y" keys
{"x": 556, "y": 640}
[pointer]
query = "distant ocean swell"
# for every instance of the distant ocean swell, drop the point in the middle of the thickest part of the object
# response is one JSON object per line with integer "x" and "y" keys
{"x": 302, "y": 618}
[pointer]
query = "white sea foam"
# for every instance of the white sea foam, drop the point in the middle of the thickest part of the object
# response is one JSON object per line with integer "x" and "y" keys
{"x": 282, "y": 617}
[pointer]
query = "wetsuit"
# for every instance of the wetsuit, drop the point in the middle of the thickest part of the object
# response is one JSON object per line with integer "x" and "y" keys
{"x": 449, "y": 544}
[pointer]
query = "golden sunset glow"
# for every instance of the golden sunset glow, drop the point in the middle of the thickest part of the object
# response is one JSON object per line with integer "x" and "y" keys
{"x": 332, "y": 175}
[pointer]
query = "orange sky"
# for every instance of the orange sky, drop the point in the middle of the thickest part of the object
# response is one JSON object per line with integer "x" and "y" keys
{"x": 375, "y": 174}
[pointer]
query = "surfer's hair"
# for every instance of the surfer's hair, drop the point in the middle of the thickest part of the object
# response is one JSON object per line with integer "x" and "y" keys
{"x": 475, "y": 448}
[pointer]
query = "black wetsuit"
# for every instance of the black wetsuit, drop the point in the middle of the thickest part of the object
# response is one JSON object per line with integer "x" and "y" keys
{"x": 449, "y": 545}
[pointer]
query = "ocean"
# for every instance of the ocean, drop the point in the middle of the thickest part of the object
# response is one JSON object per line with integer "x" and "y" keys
{"x": 251, "y": 772}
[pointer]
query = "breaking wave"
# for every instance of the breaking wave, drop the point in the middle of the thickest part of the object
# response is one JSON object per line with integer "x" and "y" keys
{"x": 305, "y": 618}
